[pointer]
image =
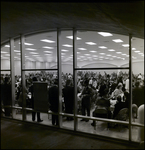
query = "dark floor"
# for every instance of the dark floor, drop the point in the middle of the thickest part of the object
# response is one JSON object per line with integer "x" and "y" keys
{"x": 21, "y": 135}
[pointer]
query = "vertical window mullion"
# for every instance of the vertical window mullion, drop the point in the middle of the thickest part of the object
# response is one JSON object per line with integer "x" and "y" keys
{"x": 12, "y": 73}
{"x": 22, "y": 49}
{"x": 130, "y": 87}
{"x": 75, "y": 79}
{"x": 59, "y": 77}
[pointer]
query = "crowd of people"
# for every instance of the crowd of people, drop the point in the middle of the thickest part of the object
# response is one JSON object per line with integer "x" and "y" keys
{"x": 105, "y": 91}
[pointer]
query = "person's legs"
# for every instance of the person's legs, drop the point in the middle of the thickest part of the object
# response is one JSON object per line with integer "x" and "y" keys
{"x": 53, "y": 119}
{"x": 38, "y": 117}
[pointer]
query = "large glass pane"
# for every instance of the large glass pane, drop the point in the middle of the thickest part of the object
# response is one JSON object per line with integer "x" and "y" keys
{"x": 102, "y": 94}
{"x": 67, "y": 78}
{"x": 101, "y": 49}
{"x": 6, "y": 99}
{"x": 5, "y": 57}
{"x": 37, "y": 98}
{"x": 138, "y": 86}
{"x": 41, "y": 51}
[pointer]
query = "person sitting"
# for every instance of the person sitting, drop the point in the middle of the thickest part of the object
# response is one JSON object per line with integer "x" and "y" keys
{"x": 102, "y": 103}
{"x": 119, "y": 105}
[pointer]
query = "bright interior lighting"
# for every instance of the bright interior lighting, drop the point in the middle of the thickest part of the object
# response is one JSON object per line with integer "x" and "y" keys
{"x": 71, "y": 37}
{"x": 28, "y": 44}
{"x": 93, "y": 51}
{"x": 33, "y": 53}
{"x": 111, "y": 50}
{"x": 125, "y": 45}
{"x": 82, "y": 49}
{"x": 109, "y": 55}
{"x": 114, "y": 56}
{"x": 64, "y": 50}
{"x": 47, "y": 51}
{"x": 3, "y": 52}
{"x": 90, "y": 43}
{"x": 103, "y": 47}
{"x": 48, "y": 41}
{"x": 123, "y": 54}
{"x": 105, "y": 34}
{"x": 136, "y": 51}
{"x": 95, "y": 56}
{"x": 30, "y": 49}
{"x": 87, "y": 54}
{"x": 133, "y": 48}
{"x": 17, "y": 51}
{"x": 102, "y": 53}
{"x": 47, "y": 47}
{"x": 78, "y": 52}
{"x": 117, "y": 40}
{"x": 7, "y": 45}
{"x": 118, "y": 52}
{"x": 67, "y": 45}
{"x": 140, "y": 53}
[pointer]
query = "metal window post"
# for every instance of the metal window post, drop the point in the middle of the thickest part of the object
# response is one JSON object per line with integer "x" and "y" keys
{"x": 12, "y": 74}
{"x": 130, "y": 87}
{"x": 22, "y": 49}
{"x": 75, "y": 80}
{"x": 59, "y": 77}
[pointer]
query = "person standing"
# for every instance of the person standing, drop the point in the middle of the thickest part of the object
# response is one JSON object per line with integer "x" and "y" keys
{"x": 53, "y": 99}
{"x": 31, "y": 89}
{"x": 6, "y": 96}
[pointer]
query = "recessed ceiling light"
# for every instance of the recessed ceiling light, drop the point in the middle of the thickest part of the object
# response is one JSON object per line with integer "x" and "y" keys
{"x": 118, "y": 52}
{"x": 78, "y": 52}
{"x": 82, "y": 56}
{"x": 140, "y": 53}
{"x": 103, "y": 47}
{"x": 47, "y": 47}
{"x": 105, "y": 34}
{"x": 67, "y": 45}
{"x": 123, "y": 54}
{"x": 7, "y": 54}
{"x": 33, "y": 53}
{"x": 48, "y": 54}
{"x": 114, "y": 56}
{"x": 106, "y": 58}
{"x": 101, "y": 57}
{"x": 109, "y": 55}
{"x": 102, "y": 53}
{"x": 93, "y": 51}
{"x": 30, "y": 49}
{"x": 3, "y": 52}
{"x": 63, "y": 53}
{"x": 64, "y": 50}
{"x": 48, "y": 41}
{"x": 28, "y": 44}
{"x": 136, "y": 51}
{"x": 87, "y": 54}
{"x": 111, "y": 50}
{"x": 17, "y": 51}
{"x": 117, "y": 40}
{"x": 26, "y": 56}
{"x": 90, "y": 43}
{"x": 36, "y": 55}
{"x": 83, "y": 49}
{"x": 95, "y": 58}
{"x": 133, "y": 48}
{"x": 7, "y": 45}
{"x": 71, "y": 37}
{"x": 123, "y": 58}
{"x": 47, "y": 51}
{"x": 125, "y": 45}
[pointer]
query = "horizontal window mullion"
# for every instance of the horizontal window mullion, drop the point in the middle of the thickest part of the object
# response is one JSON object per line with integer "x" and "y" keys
{"x": 102, "y": 68}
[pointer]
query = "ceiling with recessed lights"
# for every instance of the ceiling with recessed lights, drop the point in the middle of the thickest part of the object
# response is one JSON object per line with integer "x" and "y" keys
{"x": 90, "y": 46}
{"x": 116, "y": 19}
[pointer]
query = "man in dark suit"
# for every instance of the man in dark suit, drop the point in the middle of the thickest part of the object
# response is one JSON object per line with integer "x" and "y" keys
{"x": 53, "y": 99}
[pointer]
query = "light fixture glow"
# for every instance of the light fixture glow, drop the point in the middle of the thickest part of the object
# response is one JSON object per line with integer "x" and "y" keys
{"x": 17, "y": 51}
{"x": 33, "y": 53}
{"x": 90, "y": 43}
{"x": 7, "y": 45}
{"x": 83, "y": 49}
{"x": 105, "y": 34}
{"x": 125, "y": 45}
{"x": 102, "y": 53}
{"x": 111, "y": 50}
{"x": 64, "y": 50}
{"x": 47, "y": 47}
{"x": 48, "y": 41}
{"x": 28, "y": 44}
{"x": 71, "y": 37}
{"x": 3, "y": 52}
{"x": 103, "y": 47}
{"x": 47, "y": 51}
{"x": 87, "y": 54}
{"x": 133, "y": 48}
{"x": 117, "y": 40}
{"x": 93, "y": 51}
{"x": 109, "y": 55}
{"x": 30, "y": 49}
{"x": 118, "y": 52}
{"x": 67, "y": 45}
{"x": 136, "y": 51}
{"x": 123, "y": 54}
